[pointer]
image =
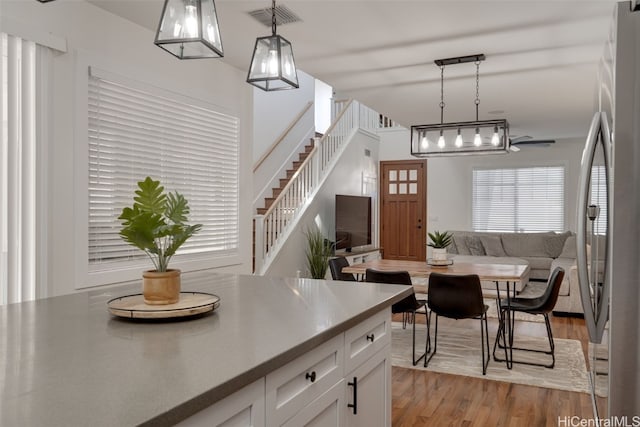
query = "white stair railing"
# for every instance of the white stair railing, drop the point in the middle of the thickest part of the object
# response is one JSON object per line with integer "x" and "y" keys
{"x": 273, "y": 227}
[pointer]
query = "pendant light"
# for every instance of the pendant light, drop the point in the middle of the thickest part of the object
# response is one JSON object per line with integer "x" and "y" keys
{"x": 272, "y": 65}
{"x": 460, "y": 138}
{"x": 189, "y": 29}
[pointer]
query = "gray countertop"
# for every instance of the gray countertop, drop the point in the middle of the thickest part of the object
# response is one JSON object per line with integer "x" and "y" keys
{"x": 65, "y": 361}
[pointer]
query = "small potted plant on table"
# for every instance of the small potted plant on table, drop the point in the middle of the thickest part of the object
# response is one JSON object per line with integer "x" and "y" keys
{"x": 157, "y": 225}
{"x": 439, "y": 243}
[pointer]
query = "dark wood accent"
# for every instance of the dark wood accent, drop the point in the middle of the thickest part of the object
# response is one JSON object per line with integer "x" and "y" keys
{"x": 431, "y": 399}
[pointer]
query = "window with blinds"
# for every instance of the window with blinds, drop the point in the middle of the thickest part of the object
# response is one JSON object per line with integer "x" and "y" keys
{"x": 518, "y": 199}
{"x": 136, "y": 132}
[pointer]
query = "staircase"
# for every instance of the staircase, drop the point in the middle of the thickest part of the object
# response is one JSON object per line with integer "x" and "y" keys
{"x": 275, "y": 192}
{"x": 281, "y": 212}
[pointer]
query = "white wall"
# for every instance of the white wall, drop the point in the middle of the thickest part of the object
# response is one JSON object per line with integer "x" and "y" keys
{"x": 449, "y": 179}
{"x": 269, "y": 122}
{"x": 122, "y": 47}
{"x": 346, "y": 178}
{"x": 323, "y": 96}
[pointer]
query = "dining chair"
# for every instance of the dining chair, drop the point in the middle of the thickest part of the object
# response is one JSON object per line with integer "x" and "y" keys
{"x": 541, "y": 305}
{"x": 458, "y": 297}
{"x": 336, "y": 265}
{"x": 409, "y": 306}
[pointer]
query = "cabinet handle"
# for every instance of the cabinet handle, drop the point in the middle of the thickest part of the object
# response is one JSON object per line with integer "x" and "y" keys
{"x": 370, "y": 337}
{"x": 311, "y": 376}
{"x": 354, "y": 405}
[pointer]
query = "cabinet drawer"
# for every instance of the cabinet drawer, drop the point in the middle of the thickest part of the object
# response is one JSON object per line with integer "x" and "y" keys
{"x": 366, "y": 338}
{"x": 299, "y": 382}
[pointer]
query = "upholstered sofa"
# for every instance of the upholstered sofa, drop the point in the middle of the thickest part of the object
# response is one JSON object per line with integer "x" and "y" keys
{"x": 542, "y": 251}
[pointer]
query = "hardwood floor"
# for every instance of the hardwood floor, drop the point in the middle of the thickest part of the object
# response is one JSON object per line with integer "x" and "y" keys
{"x": 433, "y": 399}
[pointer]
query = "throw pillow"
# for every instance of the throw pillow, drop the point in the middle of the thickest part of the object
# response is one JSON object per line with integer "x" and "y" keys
{"x": 569, "y": 248}
{"x": 475, "y": 246}
{"x": 461, "y": 245}
{"x": 493, "y": 245}
{"x": 554, "y": 244}
{"x": 452, "y": 249}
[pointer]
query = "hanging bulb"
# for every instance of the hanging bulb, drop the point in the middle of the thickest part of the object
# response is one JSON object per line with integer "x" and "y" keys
{"x": 477, "y": 140}
{"x": 273, "y": 62}
{"x": 459, "y": 139}
{"x": 441, "y": 141}
{"x": 495, "y": 139}
{"x": 424, "y": 142}
{"x": 191, "y": 21}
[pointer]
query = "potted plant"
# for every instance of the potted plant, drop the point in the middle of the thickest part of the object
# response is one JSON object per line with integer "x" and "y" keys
{"x": 157, "y": 225}
{"x": 318, "y": 252}
{"x": 439, "y": 243}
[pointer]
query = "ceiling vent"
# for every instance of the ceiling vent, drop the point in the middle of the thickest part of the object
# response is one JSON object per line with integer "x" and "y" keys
{"x": 284, "y": 15}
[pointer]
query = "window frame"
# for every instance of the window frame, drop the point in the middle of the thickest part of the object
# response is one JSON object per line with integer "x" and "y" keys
{"x": 563, "y": 192}
{"x": 84, "y": 277}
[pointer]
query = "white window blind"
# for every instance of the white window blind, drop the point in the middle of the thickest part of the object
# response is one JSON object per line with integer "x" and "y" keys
{"x": 134, "y": 133}
{"x": 598, "y": 196}
{"x": 17, "y": 170}
{"x": 518, "y": 199}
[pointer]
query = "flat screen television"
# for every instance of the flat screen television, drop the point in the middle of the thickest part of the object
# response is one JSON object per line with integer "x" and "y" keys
{"x": 353, "y": 221}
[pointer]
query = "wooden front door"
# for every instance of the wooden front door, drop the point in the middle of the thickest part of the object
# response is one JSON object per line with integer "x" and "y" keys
{"x": 404, "y": 209}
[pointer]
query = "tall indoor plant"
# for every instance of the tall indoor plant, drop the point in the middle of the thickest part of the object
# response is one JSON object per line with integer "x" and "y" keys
{"x": 157, "y": 225}
{"x": 318, "y": 252}
{"x": 439, "y": 243}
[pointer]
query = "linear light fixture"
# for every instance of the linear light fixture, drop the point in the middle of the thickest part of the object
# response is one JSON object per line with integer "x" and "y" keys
{"x": 460, "y": 138}
{"x": 272, "y": 65}
{"x": 189, "y": 29}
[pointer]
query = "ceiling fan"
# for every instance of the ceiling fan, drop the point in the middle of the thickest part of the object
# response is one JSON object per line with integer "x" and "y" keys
{"x": 528, "y": 140}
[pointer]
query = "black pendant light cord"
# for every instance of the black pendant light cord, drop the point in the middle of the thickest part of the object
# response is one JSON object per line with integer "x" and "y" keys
{"x": 441, "y": 94}
{"x": 477, "y": 101}
{"x": 273, "y": 17}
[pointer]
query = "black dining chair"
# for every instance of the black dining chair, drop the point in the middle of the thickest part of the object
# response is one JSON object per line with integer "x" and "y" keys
{"x": 409, "y": 306}
{"x": 458, "y": 297}
{"x": 336, "y": 265}
{"x": 541, "y": 305}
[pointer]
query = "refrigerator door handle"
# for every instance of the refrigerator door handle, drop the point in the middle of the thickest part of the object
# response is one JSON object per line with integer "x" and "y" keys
{"x": 595, "y": 316}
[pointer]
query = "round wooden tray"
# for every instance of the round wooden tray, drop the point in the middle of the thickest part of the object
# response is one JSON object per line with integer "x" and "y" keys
{"x": 443, "y": 264}
{"x": 190, "y": 304}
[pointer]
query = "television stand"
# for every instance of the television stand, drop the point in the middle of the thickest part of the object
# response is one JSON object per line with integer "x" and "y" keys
{"x": 360, "y": 255}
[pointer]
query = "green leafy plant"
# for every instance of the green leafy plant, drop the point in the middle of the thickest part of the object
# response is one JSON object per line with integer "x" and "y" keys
{"x": 157, "y": 222}
{"x": 440, "y": 240}
{"x": 318, "y": 252}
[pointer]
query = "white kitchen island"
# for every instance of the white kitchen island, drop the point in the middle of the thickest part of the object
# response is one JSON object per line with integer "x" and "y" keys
{"x": 276, "y": 352}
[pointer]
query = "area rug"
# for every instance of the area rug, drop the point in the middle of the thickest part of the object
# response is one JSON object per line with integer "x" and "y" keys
{"x": 459, "y": 354}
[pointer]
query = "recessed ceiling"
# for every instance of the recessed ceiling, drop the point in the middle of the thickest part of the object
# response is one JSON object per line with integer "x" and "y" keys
{"x": 540, "y": 67}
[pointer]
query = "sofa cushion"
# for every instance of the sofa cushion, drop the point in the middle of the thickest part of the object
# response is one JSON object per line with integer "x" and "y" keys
{"x": 555, "y": 243}
{"x": 525, "y": 244}
{"x": 461, "y": 244}
{"x": 493, "y": 245}
{"x": 452, "y": 248}
{"x": 475, "y": 246}
{"x": 538, "y": 263}
{"x": 569, "y": 248}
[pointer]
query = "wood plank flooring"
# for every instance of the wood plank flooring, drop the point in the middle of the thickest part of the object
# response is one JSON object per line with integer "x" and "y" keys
{"x": 433, "y": 399}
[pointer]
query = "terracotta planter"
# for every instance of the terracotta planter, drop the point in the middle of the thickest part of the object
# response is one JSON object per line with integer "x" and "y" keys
{"x": 161, "y": 287}
{"x": 439, "y": 254}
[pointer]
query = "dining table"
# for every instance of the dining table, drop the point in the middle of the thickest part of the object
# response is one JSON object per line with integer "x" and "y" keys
{"x": 509, "y": 274}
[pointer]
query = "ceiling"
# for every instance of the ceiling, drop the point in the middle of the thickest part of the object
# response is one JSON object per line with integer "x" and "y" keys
{"x": 539, "y": 72}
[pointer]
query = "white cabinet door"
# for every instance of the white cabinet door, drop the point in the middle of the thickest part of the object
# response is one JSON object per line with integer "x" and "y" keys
{"x": 326, "y": 411}
{"x": 299, "y": 382}
{"x": 369, "y": 392}
{"x": 244, "y": 408}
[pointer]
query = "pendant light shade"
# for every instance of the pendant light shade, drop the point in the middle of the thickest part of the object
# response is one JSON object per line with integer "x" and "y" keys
{"x": 272, "y": 64}
{"x": 189, "y": 29}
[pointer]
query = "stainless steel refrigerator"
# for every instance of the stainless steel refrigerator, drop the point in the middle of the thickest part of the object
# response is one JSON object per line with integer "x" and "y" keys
{"x": 608, "y": 223}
